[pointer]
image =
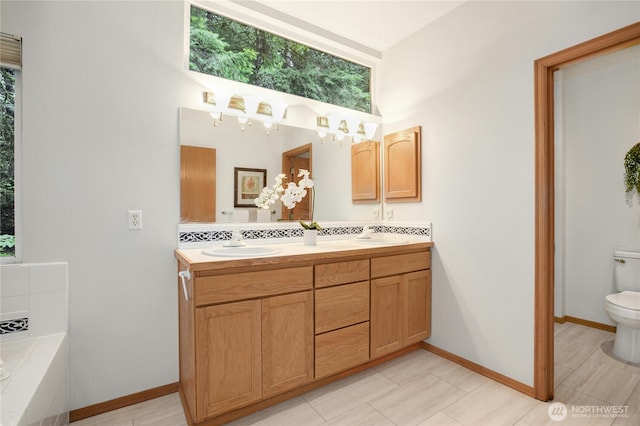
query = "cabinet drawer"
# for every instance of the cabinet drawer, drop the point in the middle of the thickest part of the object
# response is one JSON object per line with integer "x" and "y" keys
{"x": 342, "y": 349}
{"x": 340, "y": 306}
{"x": 342, "y": 272}
{"x": 249, "y": 285}
{"x": 399, "y": 264}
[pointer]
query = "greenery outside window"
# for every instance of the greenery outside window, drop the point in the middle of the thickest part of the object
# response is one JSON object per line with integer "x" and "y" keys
{"x": 7, "y": 164}
{"x": 226, "y": 48}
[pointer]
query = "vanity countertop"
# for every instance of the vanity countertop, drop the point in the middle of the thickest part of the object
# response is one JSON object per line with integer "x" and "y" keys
{"x": 196, "y": 260}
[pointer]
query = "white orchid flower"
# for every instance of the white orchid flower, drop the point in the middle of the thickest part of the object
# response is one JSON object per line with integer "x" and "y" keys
{"x": 305, "y": 182}
{"x": 289, "y": 196}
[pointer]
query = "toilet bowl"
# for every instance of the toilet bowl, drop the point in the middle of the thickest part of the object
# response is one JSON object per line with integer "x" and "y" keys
{"x": 624, "y": 307}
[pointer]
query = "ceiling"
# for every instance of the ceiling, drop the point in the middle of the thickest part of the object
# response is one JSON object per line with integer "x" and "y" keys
{"x": 374, "y": 24}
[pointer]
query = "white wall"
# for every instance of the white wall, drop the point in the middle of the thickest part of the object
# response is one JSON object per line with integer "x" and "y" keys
{"x": 467, "y": 79}
{"x": 600, "y": 105}
{"x": 102, "y": 85}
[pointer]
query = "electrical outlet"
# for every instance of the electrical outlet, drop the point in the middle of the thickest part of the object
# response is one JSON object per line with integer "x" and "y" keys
{"x": 375, "y": 213}
{"x": 388, "y": 213}
{"x": 135, "y": 219}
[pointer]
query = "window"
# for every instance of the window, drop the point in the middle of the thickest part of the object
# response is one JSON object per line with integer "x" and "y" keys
{"x": 229, "y": 49}
{"x": 10, "y": 62}
{"x": 7, "y": 180}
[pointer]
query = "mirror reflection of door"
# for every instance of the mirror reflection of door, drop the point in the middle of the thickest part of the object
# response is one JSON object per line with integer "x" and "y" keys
{"x": 197, "y": 184}
{"x": 292, "y": 162}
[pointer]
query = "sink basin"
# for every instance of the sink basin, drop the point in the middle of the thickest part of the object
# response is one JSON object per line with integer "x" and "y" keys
{"x": 380, "y": 240}
{"x": 241, "y": 251}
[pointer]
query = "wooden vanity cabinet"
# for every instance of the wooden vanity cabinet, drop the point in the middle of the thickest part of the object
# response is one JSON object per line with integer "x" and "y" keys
{"x": 341, "y": 316}
{"x": 400, "y": 301}
{"x": 255, "y": 334}
{"x": 246, "y": 350}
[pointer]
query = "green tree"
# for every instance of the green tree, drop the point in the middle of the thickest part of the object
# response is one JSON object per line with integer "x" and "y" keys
{"x": 7, "y": 184}
{"x": 275, "y": 62}
{"x": 209, "y": 54}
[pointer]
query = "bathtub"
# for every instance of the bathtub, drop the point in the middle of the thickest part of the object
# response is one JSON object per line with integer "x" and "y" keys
{"x": 36, "y": 389}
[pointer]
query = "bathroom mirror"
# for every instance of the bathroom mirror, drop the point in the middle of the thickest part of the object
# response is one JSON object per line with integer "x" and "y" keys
{"x": 256, "y": 148}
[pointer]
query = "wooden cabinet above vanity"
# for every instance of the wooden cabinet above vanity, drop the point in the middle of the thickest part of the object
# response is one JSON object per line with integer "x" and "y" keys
{"x": 403, "y": 166}
{"x": 254, "y": 332}
{"x": 365, "y": 172}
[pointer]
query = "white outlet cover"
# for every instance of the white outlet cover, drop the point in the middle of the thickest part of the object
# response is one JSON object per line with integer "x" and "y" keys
{"x": 135, "y": 219}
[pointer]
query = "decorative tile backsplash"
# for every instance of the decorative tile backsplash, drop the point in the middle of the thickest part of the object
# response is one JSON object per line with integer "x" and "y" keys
{"x": 192, "y": 235}
{"x": 14, "y": 325}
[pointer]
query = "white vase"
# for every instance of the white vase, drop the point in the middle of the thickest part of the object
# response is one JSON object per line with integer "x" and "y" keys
{"x": 263, "y": 215}
{"x": 310, "y": 237}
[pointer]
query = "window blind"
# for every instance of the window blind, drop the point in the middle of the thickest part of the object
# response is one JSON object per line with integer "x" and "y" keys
{"x": 10, "y": 51}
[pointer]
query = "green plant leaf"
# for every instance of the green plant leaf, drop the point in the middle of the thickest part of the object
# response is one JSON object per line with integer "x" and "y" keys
{"x": 632, "y": 169}
{"x": 312, "y": 225}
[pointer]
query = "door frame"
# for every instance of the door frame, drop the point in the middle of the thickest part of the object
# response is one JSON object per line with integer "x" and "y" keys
{"x": 286, "y": 158}
{"x": 544, "y": 191}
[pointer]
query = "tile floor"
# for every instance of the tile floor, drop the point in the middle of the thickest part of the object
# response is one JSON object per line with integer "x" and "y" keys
{"x": 421, "y": 388}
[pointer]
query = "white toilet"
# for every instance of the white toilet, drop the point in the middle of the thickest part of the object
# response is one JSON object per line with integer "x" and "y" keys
{"x": 624, "y": 307}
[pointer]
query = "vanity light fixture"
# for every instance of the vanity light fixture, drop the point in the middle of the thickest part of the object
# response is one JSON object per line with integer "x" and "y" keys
{"x": 244, "y": 108}
{"x": 251, "y": 104}
{"x": 277, "y": 114}
{"x": 222, "y": 98}
{"x": 334, "y": 121}
{"x": 353, "y": 126}
{"x": 322, "y": 133}
{"x": 340, "y": 126}
{"x": 370, "y": 130}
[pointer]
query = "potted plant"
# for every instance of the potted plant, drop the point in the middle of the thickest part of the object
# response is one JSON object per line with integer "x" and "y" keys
{"x": 632, "y": 172}
{"x": 290, "y": 196}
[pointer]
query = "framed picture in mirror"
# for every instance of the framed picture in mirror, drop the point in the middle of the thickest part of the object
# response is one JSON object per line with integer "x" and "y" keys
{"x": 247, "y": 185}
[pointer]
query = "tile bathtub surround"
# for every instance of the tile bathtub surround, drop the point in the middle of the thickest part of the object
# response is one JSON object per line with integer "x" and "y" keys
{"x": 33, "y": 299}
{"x": 202, "y": 235}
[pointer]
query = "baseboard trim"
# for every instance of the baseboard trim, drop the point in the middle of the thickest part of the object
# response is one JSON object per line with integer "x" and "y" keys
{"x": 500, "y": 378}
{"x": 587, "y": 323}
{"x": 123, "y": 401}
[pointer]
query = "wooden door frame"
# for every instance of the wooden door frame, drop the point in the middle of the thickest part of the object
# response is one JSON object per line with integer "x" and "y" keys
{"x": 544, "y": 191}
{"x": 294, "y": 153}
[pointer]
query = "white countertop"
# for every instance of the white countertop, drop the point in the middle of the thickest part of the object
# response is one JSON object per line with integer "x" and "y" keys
{"x": 323, "y": 247}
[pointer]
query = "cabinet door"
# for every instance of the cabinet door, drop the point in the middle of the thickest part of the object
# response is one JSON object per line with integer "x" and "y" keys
{"x": 228, "y": 357}
{"x": 417, "y": 312}
{"x": 386, "y": 315}
{"x": 287, "y": 342}
{"x": 402, "y": 170}
{"x": 365, "y": 172}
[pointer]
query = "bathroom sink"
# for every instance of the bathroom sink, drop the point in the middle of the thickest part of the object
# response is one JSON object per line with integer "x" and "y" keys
{"x": 241, "y": 251}
{"x": 380, "y": 241}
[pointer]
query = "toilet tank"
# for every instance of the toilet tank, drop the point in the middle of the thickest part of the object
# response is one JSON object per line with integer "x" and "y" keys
{"x": 626, "y": 270}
